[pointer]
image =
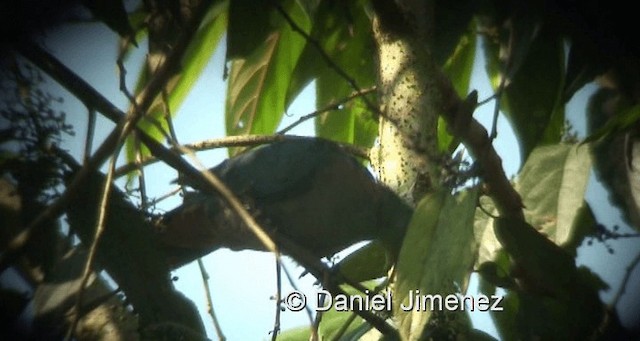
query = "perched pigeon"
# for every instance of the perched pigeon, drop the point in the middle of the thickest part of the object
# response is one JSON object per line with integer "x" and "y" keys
{"x": 309, "y": 191}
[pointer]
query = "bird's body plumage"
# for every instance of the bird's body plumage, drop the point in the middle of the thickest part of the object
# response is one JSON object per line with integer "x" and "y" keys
{"x": 309, "y": 191}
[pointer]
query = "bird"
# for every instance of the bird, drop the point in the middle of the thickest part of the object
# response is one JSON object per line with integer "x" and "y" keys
{"x": 308, "y": 190}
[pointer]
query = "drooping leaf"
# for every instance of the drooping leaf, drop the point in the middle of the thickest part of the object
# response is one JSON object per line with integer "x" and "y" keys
{"x": 258, "y": 84}
{"x": 436, "y": 257}
{"x": 552, "y": 184}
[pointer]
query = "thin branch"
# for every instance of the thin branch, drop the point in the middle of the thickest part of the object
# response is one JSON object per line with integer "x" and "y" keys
{"x": 332, "y": 64}
{"x": 486, "y": 100}
{"x": 278, "y": 299}
{"x": 210, "y": 310}
{"x": 168, "y": 118}
{"x": 123, "y": 80}
{"x": 142, "y": 184}
{"x": 171, "y": 193}
{"x": 100, "y": 227}
{"x": 329, "y": 107}
{"x": 238, "y": 141}
{"x": 292, "y": 282}
{"x": 91, "y": 127}
{"x": 625, "y": 280}
{"x": 496, "y": 108}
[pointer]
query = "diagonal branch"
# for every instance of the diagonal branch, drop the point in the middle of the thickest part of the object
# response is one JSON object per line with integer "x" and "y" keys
{"x": 100, "y": 227}
{"x": 458, "y": 115}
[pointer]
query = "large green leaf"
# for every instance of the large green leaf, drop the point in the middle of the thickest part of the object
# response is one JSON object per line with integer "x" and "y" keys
{"x": 196, "y": 57}
{"x": 532, "y": 100}
{"x": 258, "y": 83}
{"x": 552, "y": 184}
{"x": 436, "y": 257}
{"x": 343, "y": 31}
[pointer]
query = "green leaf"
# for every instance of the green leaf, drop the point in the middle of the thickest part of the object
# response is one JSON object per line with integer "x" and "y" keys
{"x": 532, "y": 100}
{"x": 258, "y": 84}
{"x": 552, "y": 184}
{"x": 437, "y": 255}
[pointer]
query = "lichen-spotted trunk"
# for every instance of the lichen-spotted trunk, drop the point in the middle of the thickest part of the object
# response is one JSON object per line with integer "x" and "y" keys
{"x": 407, "y": 158}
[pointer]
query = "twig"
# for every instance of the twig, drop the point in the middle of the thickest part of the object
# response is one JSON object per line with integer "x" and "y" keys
{"x": 167, "y": 116}
{"x": 142, "y": 184}
{"x": 238, "y": 141}
{"x": 296, "y": 28}
{"x": 210, "y": 310}
{"x": 295, "y": 287}
{"x": 165, "y": 196}
{"x": 486, "y": 100}
{"x": 496, "y": 108}
{"x": 100, "y": 226}
{"x": 91, "y": 127}
{"x": 329, "y": 107}
{"x": 278, "y": 298}
{"x": 625, "y": 280}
